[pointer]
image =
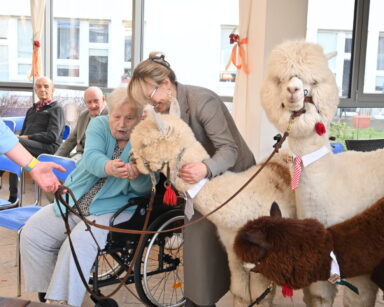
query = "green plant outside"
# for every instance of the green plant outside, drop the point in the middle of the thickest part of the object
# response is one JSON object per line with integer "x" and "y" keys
{"x": 341, "y": 131}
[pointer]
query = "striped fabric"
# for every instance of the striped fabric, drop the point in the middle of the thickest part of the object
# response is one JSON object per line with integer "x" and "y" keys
{"x": 296, "y": 172}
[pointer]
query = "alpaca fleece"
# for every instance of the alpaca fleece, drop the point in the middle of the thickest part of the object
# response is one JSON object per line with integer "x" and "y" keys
{"x": 178, "y": 146}
{"x": 299, "y": 250}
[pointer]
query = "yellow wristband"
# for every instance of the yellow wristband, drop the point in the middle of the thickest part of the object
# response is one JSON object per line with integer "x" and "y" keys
{"x": 30, "y": 165}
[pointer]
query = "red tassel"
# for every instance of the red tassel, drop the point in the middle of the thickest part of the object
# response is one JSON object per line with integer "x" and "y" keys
{"x": 169, "y": 198}
{"x": 287, "y": 291}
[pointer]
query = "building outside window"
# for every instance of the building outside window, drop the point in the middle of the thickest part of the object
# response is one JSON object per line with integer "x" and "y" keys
{"x": 361, "y": 84}
{"x": 68, "y": 39}
{"x": 98, "y": 32}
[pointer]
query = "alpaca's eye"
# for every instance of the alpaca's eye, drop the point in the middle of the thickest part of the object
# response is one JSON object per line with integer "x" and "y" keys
{"x": 314, "y": 83}
{"x": 277, "y": 80}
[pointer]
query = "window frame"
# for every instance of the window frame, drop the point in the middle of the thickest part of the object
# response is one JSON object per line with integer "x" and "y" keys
{"x": 357, "y": 98}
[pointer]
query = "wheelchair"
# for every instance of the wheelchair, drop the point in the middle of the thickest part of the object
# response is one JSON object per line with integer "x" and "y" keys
{"x": 158, "y": 273}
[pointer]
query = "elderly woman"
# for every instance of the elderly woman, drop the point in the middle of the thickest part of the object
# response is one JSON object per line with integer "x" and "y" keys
{"x": 103, "y": 182}
{"x": 206, "y": 273}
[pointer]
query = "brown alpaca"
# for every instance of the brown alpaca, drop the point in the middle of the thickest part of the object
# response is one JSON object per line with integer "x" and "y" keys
{"x": 297, "y": 252}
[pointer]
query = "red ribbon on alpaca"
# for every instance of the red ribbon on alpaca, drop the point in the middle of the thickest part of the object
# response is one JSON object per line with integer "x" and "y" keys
{"x": 287, "y": 291}
{"x": 238, "y": 53}
{"x": 170, "y": 197}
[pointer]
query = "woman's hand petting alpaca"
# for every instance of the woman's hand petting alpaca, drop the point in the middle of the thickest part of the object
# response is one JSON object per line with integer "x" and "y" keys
{"x": 193, "y": 172}
{"x": 120, "y": 169}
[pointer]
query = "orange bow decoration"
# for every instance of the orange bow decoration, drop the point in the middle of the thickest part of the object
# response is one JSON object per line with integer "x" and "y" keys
{"x": 36, "y": 59}
{"x": 238, "y": 53}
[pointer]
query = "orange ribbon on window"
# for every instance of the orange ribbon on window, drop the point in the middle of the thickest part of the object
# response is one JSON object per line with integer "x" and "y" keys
{"x": 36, "y": 59}
{"x": 238, "y": 54}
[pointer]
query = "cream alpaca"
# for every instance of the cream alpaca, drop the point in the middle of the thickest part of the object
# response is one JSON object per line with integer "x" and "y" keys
{"x": 334, "y": 187}
{"x": 176, "y": 144}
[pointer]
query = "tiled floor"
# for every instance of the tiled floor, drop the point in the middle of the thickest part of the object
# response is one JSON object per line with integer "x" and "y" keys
{"x": 123, "y": 297}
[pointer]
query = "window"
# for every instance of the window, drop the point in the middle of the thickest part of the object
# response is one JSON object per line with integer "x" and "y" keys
{"x": 68, "y": 39}
{"x": 98, "y": 67}
{"x": 227, "y": 74}
{"x": 194, "y": 37}
{"x": 127, "y": 42}
{"x": 4, "y": 72}
{"x": 24, "y": 38}
{"x": 3, "y": 27}
{"x": 98, "y": 32}
{"x": 358, "y": 37}
{"x": 68, "y": 71}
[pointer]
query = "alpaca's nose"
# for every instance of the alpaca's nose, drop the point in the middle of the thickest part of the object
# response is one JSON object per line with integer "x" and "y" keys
{"x": 293, "y": 89}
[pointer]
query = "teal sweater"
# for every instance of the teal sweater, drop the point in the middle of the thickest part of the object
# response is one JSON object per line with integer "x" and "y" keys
{"x": 116, "y": 192}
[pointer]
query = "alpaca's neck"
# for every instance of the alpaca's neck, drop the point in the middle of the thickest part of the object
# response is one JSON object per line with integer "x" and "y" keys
{"x": 302, "y": 146}
{"x": 192, "y": 154}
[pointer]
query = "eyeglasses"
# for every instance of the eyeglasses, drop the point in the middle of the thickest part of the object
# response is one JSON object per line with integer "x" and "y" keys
{"x": 153, "y": 92}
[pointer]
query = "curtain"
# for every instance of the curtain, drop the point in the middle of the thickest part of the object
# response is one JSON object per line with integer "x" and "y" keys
{"x": 245, "y": 109}
{"x": 37, "y": 16}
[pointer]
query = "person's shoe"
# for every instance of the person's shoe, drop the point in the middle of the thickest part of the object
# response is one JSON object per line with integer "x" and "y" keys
{"x": 41, "y": 296}
{"x": 174, "y": 242}
{"x": 56, "y": 302}
{"x": 12, "y": 199}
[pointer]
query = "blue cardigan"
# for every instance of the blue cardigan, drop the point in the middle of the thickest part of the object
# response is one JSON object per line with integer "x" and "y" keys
{"x": 8, "y": 140}
{"x": 115, "y": 193}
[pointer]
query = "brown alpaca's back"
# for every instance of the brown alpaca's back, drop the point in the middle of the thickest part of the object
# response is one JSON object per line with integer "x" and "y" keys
{"x": 359, "y": 241}
{"x": 297, "y": 252}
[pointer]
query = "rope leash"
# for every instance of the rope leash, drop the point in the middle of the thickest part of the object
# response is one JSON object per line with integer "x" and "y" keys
{"x": 67, "y": 190}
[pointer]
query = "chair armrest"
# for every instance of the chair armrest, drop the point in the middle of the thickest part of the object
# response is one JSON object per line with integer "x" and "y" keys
{"x": 136, "y": 201}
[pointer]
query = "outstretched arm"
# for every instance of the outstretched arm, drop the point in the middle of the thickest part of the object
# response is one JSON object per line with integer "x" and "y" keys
{"x": 42, "y": 172}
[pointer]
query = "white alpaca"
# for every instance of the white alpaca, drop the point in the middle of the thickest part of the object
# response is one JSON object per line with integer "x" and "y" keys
{"x": 333, "y": 187}
{"x": 176, "y": 145}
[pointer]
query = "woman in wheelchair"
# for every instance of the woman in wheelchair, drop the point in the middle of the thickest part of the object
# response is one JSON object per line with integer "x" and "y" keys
{"x": 100, "y": 185}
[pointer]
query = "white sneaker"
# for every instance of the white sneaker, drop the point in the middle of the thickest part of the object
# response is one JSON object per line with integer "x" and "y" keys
{"x": 55, "y": 302}
{"x": 174, "y": 242}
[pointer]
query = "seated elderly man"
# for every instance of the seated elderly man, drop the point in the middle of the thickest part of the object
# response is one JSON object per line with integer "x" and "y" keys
{"x": 96, "y": 105}
{"x": 43, "y": 127}
{"x": 100, "y": 184}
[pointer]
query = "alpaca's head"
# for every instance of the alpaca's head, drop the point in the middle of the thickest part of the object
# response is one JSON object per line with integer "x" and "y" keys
{"x": 164, "y": 140}
{"x": 297, "y": 69}
{"x": 286, "y": 251}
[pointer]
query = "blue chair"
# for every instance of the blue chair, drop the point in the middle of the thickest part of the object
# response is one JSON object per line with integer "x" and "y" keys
{"x": 337, "y": 147}
{"x": 17, "y": 217}
{"x": 8, "y": 165}
{"x": 10, "y": 124}
{"x": 67, "y": 163}
{"x": 19, "y": 121}
{"x": 67, "y": 131}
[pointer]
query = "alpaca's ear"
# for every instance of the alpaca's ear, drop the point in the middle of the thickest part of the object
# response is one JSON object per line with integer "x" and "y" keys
{"x": 331, "y": 55}
{"x": 254, "y": 237}
{"x": 275, "y": 210}
{"x": 156, "y": 117}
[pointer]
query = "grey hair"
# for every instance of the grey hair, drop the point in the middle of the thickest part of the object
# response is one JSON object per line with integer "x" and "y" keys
{"x": 119, "y": 97}
{"x": 46, "y": 78}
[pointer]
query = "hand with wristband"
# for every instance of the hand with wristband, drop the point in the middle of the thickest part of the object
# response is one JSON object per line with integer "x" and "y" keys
{"x": 41, "y": 172}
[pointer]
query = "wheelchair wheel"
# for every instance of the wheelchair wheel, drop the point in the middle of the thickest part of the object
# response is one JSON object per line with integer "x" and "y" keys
{"x": 159, "y": 269}
{"x": 107, "y": 268}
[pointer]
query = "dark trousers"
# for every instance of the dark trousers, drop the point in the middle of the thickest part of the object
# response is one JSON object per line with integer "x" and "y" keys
{"x": 189, "y": 303}
{"x": 35, "y": 148}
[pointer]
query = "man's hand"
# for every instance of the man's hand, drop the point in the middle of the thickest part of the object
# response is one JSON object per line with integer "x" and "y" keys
{"x": 23, "y": 137}
{"x": 43, "y": 175}
{"x": 193, "y": 172}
